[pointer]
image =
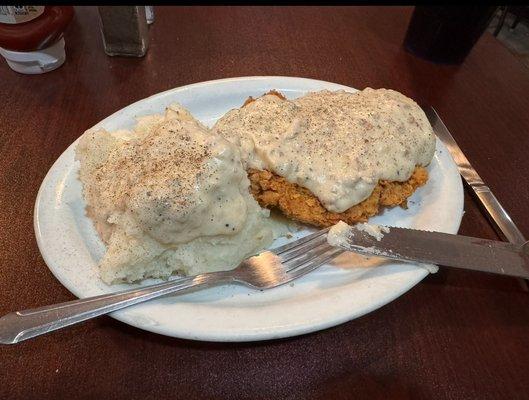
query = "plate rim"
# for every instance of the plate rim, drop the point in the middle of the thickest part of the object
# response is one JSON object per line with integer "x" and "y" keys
{"x": 254, "y": 335}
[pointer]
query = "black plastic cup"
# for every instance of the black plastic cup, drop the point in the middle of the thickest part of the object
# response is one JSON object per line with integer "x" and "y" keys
{"x": 446, "y": 34}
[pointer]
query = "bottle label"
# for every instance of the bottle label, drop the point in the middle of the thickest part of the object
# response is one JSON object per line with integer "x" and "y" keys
{"x": 19, "y": 14}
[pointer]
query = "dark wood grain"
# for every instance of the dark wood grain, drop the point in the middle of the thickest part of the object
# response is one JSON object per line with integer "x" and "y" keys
{"x": 457, "y": 335}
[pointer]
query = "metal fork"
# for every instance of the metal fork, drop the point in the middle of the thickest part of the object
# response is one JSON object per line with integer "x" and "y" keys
{"x": 264, "y": 271}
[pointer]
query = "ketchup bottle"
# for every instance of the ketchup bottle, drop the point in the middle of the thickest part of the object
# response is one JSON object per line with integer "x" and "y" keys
{"x": 31, "y": 37}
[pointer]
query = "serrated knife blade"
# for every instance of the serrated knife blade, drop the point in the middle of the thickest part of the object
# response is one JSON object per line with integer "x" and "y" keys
{"x": 437, "y": 248}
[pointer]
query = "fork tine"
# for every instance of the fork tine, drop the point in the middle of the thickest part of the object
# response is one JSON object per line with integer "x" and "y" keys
{"x": 284, "y": 248}
{"x": 312, "y": 264}
{"x": 303, "y": 248}
{"x": 306, "y": 255}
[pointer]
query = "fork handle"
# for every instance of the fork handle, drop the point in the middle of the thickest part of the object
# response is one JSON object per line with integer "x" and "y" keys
{"x": 21, "y": 325}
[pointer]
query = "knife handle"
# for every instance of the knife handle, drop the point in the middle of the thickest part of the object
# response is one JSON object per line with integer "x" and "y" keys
{"x": 502, "y": 221}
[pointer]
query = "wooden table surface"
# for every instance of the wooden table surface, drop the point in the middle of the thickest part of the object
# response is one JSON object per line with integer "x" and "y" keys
{"x": 456, "y": 335}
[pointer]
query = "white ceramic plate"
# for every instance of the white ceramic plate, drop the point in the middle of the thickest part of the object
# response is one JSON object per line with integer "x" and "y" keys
{"x": 336, "y": 293}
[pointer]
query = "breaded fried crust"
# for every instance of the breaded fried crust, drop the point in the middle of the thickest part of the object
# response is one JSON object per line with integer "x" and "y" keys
{"x": 298, "y": 203}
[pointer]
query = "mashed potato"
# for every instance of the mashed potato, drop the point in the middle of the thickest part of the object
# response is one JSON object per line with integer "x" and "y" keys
{"x": 169, "y": 197}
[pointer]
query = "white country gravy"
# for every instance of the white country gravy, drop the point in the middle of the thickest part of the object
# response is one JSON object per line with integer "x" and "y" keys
{"x": 178, "y": 182}
{"x": 336, "y": 144}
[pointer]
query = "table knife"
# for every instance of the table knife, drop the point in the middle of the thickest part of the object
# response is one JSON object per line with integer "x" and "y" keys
{"x": 503, "y": 223}
{"x": 436, "y": 248}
